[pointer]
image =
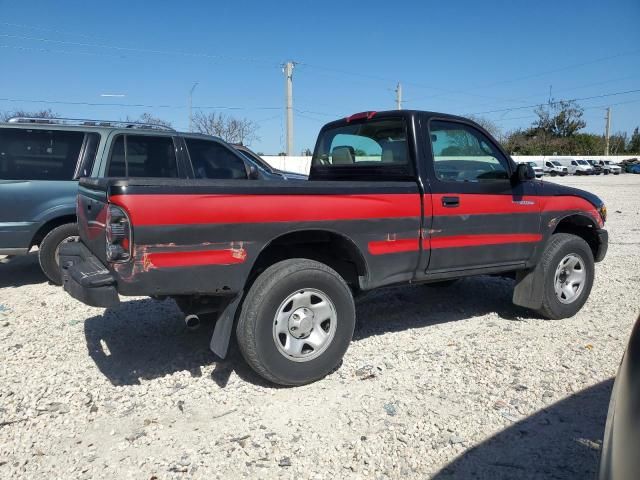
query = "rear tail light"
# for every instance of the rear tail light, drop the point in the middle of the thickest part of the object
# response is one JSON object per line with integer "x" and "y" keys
{"x": 118, "y": 232}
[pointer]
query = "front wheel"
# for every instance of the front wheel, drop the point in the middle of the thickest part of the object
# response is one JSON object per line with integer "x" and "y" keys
{"x": 296, "y": 322}
{"x": 568, "y": 267}
{"x": 50, "y": 246}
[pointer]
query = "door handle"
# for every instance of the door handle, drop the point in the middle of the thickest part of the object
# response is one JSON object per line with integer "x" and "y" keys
{"x": 450, "y": 202}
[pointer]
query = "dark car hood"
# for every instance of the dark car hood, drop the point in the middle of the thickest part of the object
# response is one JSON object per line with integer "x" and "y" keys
{"x": 554, "y": 189}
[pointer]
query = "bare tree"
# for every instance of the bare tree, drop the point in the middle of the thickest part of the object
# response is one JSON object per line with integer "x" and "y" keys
{"x": 488, "y": 125}
{"x": 230, "y": 129}
{"x": 148, "y": 118}
{"x": 48, "y": 113}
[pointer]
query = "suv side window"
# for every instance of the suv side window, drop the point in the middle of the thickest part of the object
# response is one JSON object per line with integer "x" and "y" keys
{"x": 143, "y": 156}
{"x": 36, "y": 154}
{"x": 92, "y": 141}
{"x": 462, "y": 153}
{"x": 211, "y": 159}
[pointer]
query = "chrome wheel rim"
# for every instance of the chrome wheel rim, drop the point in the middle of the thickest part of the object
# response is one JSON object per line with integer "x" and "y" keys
{"x": 72, "y": 238}
{"x": 304, "y": 325}
{"x": 571, "y": 275}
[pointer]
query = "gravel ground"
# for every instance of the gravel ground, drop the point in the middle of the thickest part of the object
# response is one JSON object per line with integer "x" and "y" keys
{"x": 438, "y": 383}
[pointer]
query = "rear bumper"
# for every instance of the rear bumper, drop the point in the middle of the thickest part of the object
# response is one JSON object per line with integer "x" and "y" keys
{"x": 603, "y": 244}
{"x": 85, "y": 278}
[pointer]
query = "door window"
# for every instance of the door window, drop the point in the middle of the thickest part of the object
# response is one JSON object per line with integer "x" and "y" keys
{"x": 211, "y": 159}
{"x": 38, "y": 154}
{"x": 88, "y": 155}
{"x": 463, "y": 154}
{"x": 143, "y": 156}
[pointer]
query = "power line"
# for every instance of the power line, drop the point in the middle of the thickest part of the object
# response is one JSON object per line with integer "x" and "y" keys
{"x": 139, "y": 50}
{"x": 554, "y": 103}
{"x": 543, "y": 73}
{"x": 137, "y": 105}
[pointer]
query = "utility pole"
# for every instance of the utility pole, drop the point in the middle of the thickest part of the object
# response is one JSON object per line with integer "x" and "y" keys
{"x": 399, "y": 96}
{"x": 607, "y": 129}
{"x": 191, "y": 106}
{"x": 288, "y": 88}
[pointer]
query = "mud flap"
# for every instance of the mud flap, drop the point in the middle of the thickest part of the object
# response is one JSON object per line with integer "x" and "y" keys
{"x": 529, "y": 288}
{"x": 222, "y": 332}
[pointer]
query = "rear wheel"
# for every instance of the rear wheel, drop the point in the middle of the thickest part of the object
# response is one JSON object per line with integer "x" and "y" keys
{"x": 296, "y": 322}
{"x": 568, "y": 267}
{"x": 50, "y": 247}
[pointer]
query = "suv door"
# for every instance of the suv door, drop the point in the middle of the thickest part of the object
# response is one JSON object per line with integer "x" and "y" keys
{"x": 37, "y": 169}
{"x": 480, "y": 218}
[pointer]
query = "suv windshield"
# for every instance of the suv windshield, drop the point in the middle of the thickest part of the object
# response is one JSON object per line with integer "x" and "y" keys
{"x": 372, "y": 143}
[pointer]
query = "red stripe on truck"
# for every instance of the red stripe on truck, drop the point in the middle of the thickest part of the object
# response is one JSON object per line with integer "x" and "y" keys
{"x": 384, "y": 247}
{"x": 204, "y": 209}
{"x": 457, "y": 241}
{"x": 230, "y": 256}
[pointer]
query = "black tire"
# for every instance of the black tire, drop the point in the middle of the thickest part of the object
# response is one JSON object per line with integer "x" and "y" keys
{"x": 553, "y": 174}
{"x": 47, "y": 255}
{"x": 559, "y": 246}
{"x": 255, "y": 332}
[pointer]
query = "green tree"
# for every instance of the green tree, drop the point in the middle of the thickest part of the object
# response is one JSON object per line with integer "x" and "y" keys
{"x": 562, "y": 118}
{"x": 634, "y": 142}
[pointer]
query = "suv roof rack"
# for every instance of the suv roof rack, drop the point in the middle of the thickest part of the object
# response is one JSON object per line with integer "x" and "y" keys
{"x": 90, "y": 123}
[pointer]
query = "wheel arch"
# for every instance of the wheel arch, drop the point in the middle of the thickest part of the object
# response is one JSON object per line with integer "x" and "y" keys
{"x": 332, "y": 248}
{"x": 50, "y": 225}
{"x": 581, "y": 225}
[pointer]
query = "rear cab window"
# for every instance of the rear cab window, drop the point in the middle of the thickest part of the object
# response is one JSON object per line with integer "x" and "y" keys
{"x": 371, "y": 148}
{"x": 39, "y": 154}
{"x": 145, "y": 156}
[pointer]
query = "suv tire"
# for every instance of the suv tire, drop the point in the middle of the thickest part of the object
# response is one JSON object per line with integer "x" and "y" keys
{"x": 291, "y": 303}
{"x": 568, "y": 273}
{"x": 48, "y": 250}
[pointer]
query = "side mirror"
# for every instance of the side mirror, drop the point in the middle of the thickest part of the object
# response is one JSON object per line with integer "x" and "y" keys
{"x": 253, "y": 173}
{"x": 524, "y": 172}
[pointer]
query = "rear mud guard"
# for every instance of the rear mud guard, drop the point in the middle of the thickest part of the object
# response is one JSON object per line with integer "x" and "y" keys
{"x": 224, "y": 326}
{"x": 529, "y": 288}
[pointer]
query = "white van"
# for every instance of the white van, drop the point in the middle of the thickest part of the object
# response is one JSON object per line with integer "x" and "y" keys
{"x": 554, "y": 167}
{"x": 576, "y": 167}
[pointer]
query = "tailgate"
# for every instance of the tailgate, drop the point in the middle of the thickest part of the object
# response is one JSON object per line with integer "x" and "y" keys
{"x": 92, "y": 214}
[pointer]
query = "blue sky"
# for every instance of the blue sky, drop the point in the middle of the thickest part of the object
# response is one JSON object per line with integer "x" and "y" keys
{"x": 457, "y": 57}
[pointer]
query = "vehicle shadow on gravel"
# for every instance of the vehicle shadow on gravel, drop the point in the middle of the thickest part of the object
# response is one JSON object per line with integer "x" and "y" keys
{"x": 561, "y": 441}
{"x": 147, "y": 339}
{"x": 402, "y": 308}
{"x": 20, "y": 271}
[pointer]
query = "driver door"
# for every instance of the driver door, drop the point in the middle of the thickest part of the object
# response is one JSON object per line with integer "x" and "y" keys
{"x": 480, "y": 218}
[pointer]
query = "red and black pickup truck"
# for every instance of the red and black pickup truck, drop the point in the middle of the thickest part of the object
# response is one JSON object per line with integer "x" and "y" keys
{"x": 392, "y": 197}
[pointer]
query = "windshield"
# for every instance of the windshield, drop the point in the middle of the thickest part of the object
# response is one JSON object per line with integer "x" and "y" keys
{"x": 255, "y": 158}
{"x": 557, "y": 164}
{"x": 372, "y": 143}
{"x": 583, "y": 162}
